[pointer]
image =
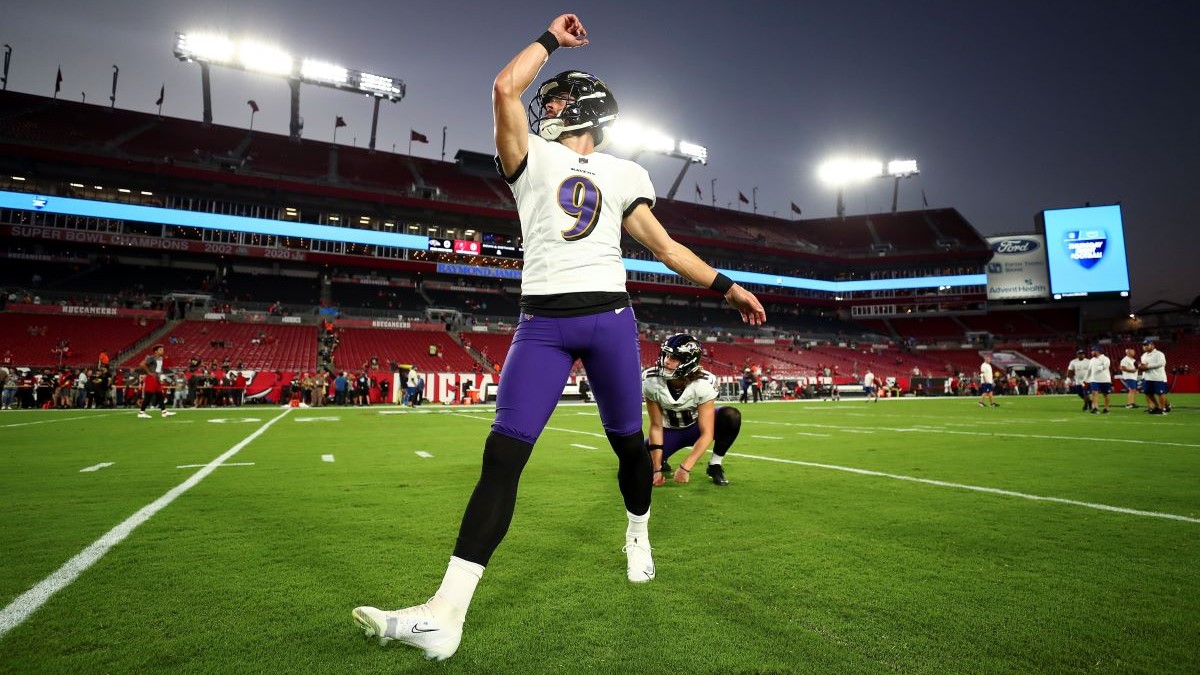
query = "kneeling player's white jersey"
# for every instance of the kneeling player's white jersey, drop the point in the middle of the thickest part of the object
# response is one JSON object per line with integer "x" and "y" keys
{"x": 679, "y": 412}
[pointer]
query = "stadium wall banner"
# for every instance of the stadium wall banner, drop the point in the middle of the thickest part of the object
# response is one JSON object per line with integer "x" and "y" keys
{"x": 1017, "y": 269}
{"x": 78, "y": 310}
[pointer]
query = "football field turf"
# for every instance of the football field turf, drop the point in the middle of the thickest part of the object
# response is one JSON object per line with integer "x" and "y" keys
{"x": 911, "y": 536}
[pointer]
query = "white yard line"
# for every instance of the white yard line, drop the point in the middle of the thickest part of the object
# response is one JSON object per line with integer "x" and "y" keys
{"x": 28, "y": 602}
{"x": 96, "y": 467}
{"x": 60, "y": 419}
{"x": 975, "y": 488}
{"x": 197, "y": 466}
{"x": 581, "y": 445}
{"x": 422, "y": 453}
{"x": 993, "y": 434}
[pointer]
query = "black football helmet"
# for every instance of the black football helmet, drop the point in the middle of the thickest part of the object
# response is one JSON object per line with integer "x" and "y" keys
{"x": 686, "y": 350}
{"x": 592, "y": 106}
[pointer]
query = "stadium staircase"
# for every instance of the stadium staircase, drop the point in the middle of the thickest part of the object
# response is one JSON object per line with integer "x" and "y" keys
{"x": 159, "y": 335}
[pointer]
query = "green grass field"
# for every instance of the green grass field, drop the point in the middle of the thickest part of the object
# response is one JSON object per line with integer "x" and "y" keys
{"x": 910, "y": 536}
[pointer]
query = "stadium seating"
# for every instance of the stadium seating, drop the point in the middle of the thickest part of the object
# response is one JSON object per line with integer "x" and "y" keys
{"x": 254, "y": 345}
{"x": 929, "y": 327}
{"x": 401, "y": 299}
{"x": 357, "y": 346}
{"x": 87, "y": 335}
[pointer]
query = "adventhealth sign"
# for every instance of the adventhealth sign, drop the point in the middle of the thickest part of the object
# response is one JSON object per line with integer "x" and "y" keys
{"x": 1017, "y": 269}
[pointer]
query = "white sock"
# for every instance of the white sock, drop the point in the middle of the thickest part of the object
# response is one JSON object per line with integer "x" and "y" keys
{"x": 458, "y": 587}
{"x": 638, "y": 527}
{"x": 716, "y": 460}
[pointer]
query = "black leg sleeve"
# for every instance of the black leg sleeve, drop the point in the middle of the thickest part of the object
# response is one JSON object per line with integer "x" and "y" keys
{"x": 634, "y": 473}
{"x": 728, "y": 424}
{"x": 491, "y": 507}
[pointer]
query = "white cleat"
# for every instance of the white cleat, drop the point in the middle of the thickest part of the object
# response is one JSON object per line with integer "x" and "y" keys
{"x": 640, "y": 564}
{"x": 144, "y": 415}
{"x": 418, "y": 626}
{"x": 167, "y": 413}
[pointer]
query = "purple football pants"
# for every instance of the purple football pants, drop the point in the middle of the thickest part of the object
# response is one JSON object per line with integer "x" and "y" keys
{"x": 539, "y": 362}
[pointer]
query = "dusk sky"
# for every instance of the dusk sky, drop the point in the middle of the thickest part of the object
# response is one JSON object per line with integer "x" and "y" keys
{"x": 1010, "y": 108}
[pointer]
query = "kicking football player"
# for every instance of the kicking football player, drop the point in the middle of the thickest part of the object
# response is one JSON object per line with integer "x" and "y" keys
{"x": 572, "y": 201}
{"x": 680, "y": 398}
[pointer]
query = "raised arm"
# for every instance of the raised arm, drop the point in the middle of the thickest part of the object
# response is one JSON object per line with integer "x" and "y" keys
{"x": 643, "y": 226}
{"x": 512, "y": 130}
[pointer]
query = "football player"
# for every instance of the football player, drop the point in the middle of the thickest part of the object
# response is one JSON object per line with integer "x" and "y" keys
{"x": 153, "y": 370}
{"x": 680, "y": 398}
{"x": 572, "y": 201}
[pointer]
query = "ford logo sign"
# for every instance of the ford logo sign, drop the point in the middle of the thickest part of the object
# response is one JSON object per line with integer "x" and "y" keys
{"x": 1014, "y": 246}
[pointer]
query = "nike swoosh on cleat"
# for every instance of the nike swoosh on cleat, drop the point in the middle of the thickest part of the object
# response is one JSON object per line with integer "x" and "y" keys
{"x": 424, "y": 630}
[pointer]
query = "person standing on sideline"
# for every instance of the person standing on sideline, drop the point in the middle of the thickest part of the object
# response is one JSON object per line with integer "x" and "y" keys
{"x": 1129, "y": 378}
{"x": 1100, "y": 378}
{"x": 1079, "y": 370}
{"x": 153, "y": 369}
{"x": 680, "y": 401}
{"x": 572, "y": 202}
{"x": 869, "y": 387}
{"x": 1154, "y": 378}
{"x": 987, "y": 382}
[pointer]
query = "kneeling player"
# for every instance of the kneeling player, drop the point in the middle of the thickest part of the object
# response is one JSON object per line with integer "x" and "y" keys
{"x": 680, "y": 399}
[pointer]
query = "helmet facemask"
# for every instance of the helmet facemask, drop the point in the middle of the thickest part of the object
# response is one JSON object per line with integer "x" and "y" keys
{"x": 686, "y": 352}
{"x": 590, "y": 105}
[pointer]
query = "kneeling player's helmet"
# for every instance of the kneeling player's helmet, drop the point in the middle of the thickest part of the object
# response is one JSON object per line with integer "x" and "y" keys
{"x": 592, "y": 106}
{"x": 685, "y": 349}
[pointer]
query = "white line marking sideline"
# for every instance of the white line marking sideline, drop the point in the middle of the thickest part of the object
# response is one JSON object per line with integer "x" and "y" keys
{"x": 96, "y": 467}
{"x": 976, "y": 488}
{"x": 581, "y": 445}
{"x": 28, "y": 602}
{"x": 770, "y": 438}
{"x": 326, "y": 458}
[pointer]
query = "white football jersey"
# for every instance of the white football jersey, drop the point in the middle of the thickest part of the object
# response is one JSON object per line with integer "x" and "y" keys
{"x": 1080, "y": 369}
{"x": 679, "y": 413}
{"x": 1156, "y": 366}
{"x": 1101, "y": 369}
{"x": 985, "y": 373}
{"x": 571, "y": 208}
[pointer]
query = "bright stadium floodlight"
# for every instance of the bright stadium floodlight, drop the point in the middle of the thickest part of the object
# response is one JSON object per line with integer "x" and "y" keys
{"x": 216, "y": 49}
{"x": 328, "y": 73}
{"x": 251, "y": 56}
{"x": 636, "y": 139}
{"x": 265, "y": 59}
{"x": 902, "y": 168}
{"x": 897, "y": 169}
{"x": 841, "y": 172}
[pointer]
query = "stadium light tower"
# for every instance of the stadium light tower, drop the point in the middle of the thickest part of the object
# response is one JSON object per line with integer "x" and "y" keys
{"x": 841, "y": 172}
{"x": 255, "y": 57}
{"x": 897, "y": 169}
{"x": 633, "y": 136}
